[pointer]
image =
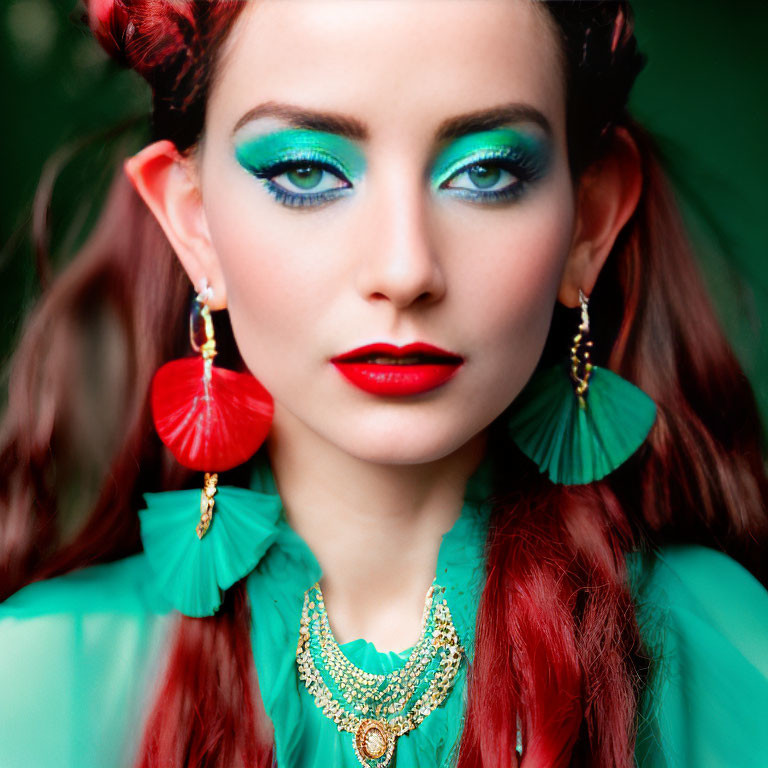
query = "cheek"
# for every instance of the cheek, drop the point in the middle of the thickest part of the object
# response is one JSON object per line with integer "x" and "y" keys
{"x": 273, "y": 289}
{"x": 516, "y": 267}
{"x": 269, "y": 307}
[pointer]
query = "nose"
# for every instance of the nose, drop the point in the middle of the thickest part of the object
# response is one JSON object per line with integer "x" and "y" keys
{"x": 399, "y": 262}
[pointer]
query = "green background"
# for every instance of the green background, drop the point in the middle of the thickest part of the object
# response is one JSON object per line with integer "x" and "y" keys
{"x": 703, "y": 94}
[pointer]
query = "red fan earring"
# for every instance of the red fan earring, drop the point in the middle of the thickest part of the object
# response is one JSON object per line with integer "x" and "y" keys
{"x": 211, "y": 419}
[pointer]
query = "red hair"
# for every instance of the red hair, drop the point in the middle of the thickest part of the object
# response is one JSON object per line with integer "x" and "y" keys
{"x": 558, "y": 647}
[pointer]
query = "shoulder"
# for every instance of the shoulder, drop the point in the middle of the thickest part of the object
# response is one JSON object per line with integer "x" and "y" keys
{"x": 701, "y": 581}
{"x": 122, "y": 586}
{"x": 79, "y": 653}
{"x": 683, "y": 588}
{"x": 704, "y": 621}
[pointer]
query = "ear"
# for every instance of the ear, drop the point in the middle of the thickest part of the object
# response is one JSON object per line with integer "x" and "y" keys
{"x": 607, "y": 197}
{"x": 168, "y": 184}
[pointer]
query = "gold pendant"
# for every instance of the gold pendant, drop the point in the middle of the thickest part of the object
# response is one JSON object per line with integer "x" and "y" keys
{"x": 374, "y": 743}
{"x": 206, "y": 503}
{"x": 370, "y": 696}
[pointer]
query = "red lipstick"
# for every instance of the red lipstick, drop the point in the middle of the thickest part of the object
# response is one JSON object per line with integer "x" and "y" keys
{"x": 387, "y": 370}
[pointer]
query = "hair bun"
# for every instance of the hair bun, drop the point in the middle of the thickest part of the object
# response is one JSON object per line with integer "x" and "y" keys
{"x": 100, "y": 9}
{"x": 109, "y": 20}
{"x": 157, "y": 38}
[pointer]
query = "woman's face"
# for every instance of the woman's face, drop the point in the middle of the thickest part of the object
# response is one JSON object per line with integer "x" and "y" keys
{"x": 389, "y": 172}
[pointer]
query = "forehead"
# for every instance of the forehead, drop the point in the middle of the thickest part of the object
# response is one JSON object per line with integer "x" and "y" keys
{"x": 396, "y": 65}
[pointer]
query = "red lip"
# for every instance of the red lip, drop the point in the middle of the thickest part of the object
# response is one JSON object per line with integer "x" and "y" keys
{"x": 428, "y": 368}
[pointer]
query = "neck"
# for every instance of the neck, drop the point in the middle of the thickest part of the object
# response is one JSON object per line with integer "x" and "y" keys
{"x": 374, "y": 528}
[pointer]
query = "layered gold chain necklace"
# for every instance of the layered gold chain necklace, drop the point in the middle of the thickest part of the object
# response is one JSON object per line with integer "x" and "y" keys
{"x": 377, "y": 709}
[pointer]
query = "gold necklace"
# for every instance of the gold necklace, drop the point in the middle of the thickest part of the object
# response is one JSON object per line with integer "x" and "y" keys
{"x": 377, "y": 709}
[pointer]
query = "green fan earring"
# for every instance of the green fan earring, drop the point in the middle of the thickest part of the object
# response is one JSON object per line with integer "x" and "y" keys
{"x": 579, "y": 422}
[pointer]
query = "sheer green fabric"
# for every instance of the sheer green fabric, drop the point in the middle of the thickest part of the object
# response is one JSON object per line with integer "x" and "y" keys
{"x": 79, "y": 656}
{"x": 705, "y": 620}
{"x": 82, "y": 655}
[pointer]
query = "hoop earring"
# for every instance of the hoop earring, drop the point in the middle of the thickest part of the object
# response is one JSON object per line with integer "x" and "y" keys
{"x": 211, "y": 419}
{"x": 581, "y": 426}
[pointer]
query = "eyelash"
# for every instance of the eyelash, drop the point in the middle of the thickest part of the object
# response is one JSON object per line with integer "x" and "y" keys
{"x": 293, "y": 199}
{"x": 522, "y": 167}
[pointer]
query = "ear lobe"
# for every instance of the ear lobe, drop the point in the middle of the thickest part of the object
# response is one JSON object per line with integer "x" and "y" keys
{"x": 607, "y": 198}
{"x": 166, "y": 182}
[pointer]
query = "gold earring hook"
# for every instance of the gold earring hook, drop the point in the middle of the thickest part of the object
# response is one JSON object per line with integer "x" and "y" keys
{"x": 201, "y": 326}
{"x": 580, "y": 363}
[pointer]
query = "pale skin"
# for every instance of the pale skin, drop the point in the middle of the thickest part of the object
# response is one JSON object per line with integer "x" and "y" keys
{"x": 372, "y": 484}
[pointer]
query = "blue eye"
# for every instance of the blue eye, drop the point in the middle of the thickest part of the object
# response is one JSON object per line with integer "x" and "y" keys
{"x": 303, "y": 181}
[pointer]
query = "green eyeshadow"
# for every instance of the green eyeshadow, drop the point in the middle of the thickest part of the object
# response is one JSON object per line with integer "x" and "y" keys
{"x": 533, "y": 154}
{"x": 258, "y": 153}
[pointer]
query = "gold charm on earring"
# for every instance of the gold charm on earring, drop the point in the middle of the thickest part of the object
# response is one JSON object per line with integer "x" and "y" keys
{"x": 206, "y": 503}
{"x": 581, "y": 367}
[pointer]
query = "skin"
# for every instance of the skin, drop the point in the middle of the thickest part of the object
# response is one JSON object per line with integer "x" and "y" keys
{"x": 400, "y": 255}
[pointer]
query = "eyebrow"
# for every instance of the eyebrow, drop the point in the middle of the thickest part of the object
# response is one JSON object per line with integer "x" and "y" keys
{"x": 352, "y": 128}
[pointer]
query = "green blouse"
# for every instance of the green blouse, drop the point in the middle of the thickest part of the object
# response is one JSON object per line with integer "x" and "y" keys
{"x": 82, "y": 653}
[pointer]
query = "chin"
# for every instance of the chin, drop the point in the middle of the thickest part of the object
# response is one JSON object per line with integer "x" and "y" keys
{"x": 402, "y": 445}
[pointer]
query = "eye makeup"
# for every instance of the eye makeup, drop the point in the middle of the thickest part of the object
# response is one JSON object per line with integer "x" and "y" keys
{"x": 491, "y": 166}
{"x": 301, "y": 167}
{"x": 304, "y": 167}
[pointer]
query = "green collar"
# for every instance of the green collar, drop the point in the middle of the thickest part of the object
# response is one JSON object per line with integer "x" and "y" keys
{"x": 193, "y": 573}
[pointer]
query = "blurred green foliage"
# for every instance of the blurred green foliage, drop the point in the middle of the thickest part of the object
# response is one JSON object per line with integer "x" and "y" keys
{"x": 703, "y": 94}
{"x": 65, "y": 98}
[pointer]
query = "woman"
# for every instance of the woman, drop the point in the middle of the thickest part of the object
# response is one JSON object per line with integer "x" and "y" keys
{"x": 410, "y": 211}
